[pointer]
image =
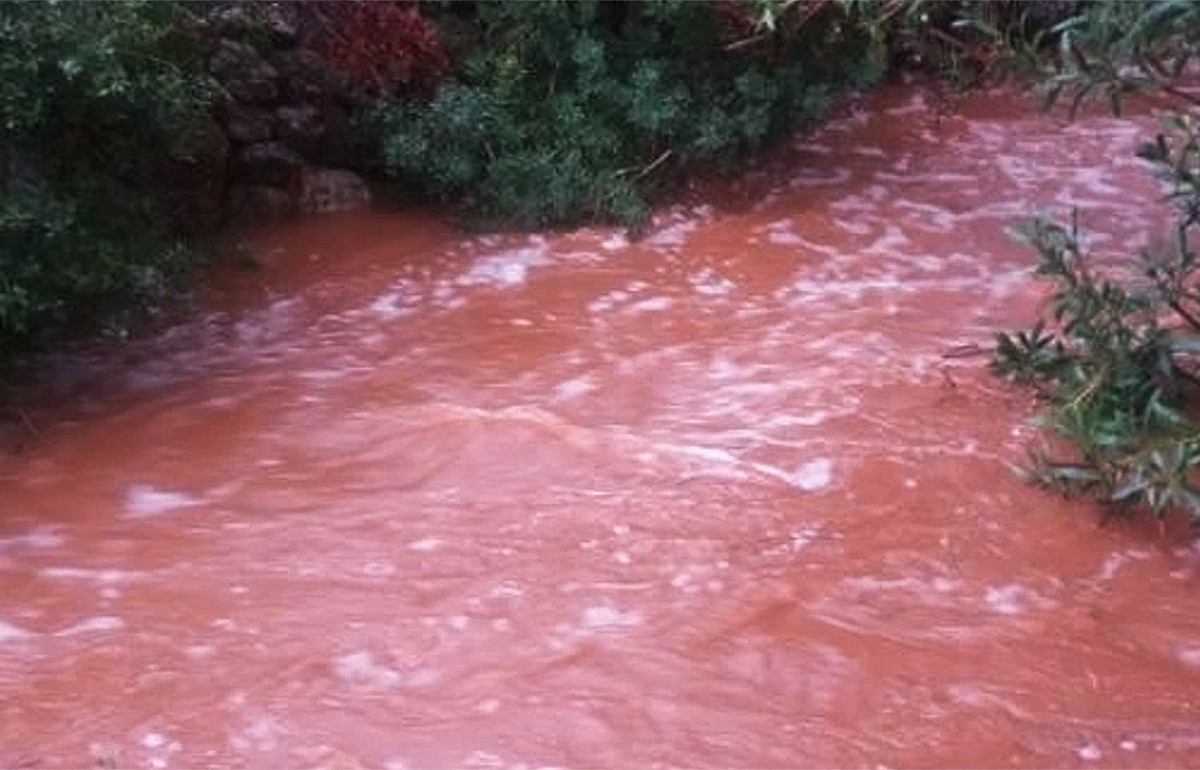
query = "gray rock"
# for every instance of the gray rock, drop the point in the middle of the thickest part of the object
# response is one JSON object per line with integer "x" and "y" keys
{"x": 230, "y": 57}
{"x": 234, "y": 20}
{"x": 268, "y": 163}
{"x": 325, "y": 190}
{"x": 301, "y": 128}
{"x": 282, "y": 20}
{"x": 247, "y": 76}
{"x": 248, "y": 124}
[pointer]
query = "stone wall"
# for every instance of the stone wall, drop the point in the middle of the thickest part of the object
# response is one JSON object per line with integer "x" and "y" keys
{"x": 284, "y": 144}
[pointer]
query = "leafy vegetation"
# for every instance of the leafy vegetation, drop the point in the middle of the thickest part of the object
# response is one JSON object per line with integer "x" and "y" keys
{"x": 93, "y": 98}
{"x": 1118, "y": 360}
{"x": 580, "y": 110}
{"x": 385, "y": 47}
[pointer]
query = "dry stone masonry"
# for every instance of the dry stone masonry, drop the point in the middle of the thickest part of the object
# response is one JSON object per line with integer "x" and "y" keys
{"x": 283, "y": 115}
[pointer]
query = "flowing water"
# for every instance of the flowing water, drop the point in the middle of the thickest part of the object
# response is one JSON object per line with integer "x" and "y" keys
{"x": 735, "y": 494}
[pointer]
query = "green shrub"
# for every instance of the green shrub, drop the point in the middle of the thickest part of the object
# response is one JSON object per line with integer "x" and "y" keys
{"x": 570, "y": 111}
{"x": 94, "y": 99}
{"x": 1119, "y": 359}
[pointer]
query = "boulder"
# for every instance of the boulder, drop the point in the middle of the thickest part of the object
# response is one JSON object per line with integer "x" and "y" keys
{"x": 325, "y": 190}
{"x": 268, "y": 163}
{"x": 281, "y": 20}
{"x": 247, "y": 124}
{"x": 245, "y": 75}
{"x": 234, "y": 20}
{"x": 301, "y": 128}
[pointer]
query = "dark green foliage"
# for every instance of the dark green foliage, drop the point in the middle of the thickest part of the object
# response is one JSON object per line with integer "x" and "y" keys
{"x": 94, "y": 99}
{"x": 1113, "y": 49}
{"x": 1119, "y": 360}
{"x": 579, "y": 110}
{"x": 1116, "y": 378}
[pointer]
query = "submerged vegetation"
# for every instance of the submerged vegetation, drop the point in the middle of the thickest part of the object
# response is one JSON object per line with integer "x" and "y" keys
{"x": 1118, "y": 357}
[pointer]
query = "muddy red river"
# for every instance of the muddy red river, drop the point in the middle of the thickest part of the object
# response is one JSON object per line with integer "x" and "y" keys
{"x": 407, "y": 498}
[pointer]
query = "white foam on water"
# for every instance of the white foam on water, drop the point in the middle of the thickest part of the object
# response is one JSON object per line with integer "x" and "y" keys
{"x": 144, "y": 501}
{"x": 614, "y": 242}
{"x": 154, "y": 740}
{"x": 379, "y": 569}
{"x": 1188, "y": 655}
{"x": 507, "y": 589}
{"x": 606, "y": 617}
{"x": 1116, "y": 560}
{"x": 672, "y": 235}
{"x": 935, "y": 218}
{"x": 11, "y": 633}
{"x": 489, "y": 706}
{"x": 784, "y": 237}
{"x": 802, "y": 537}
{"x": 652, "y": 304}
{"x": 575, "y": 387}
{"x": 708, "y": 454}
{"x": 607, "y": 302}
{"x": 807, "y": 145}
{"x": 425, "y": 544}
{"x": 389, "y": 305}
{"x": 891, "y": 241}
{"x": 1008, "y": 599}
{"x": 506, "y": 269}
{"x": 199, "y": 651}
{"x": 483, "y": 759}
{"x": 40, "y": 537}
{"x": 263, "y": 733}
{"x": 99, "y": 623}
{"x": 360, "y": 668}
{"x": 837, "y": 178}
{"x": 806, "y": 420}
{"x": 98, "y": 575}
{"x": 709, "y": 284}
{"x": 814, "y": 475}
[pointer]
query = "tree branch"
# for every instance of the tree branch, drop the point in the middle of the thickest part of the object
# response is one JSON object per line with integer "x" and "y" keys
{"x": 1178, "y": 307}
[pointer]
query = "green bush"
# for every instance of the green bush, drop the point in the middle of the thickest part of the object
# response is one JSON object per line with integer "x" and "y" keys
{"x": 570, "y": 111}
{"x": 1118, "y": 360}
{"x": 95, "y": 98}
